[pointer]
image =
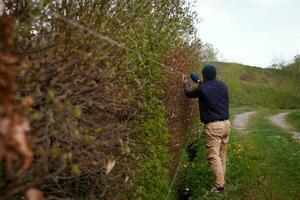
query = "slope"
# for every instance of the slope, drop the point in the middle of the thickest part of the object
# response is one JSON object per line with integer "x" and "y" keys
{"x": 253, "y": 86}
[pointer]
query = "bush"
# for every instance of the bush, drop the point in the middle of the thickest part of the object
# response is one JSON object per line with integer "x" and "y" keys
{"x": 98, "y": 125}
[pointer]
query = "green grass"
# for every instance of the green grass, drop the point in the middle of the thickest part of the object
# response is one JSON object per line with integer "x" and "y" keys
{"x": 262, "y": 164}
{"x": 294, "y": 119}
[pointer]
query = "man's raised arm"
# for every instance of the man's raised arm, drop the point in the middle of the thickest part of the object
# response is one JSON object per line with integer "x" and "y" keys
{"x": 189, "y": 92}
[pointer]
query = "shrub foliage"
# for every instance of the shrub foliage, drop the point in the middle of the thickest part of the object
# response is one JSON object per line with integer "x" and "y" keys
{"x": 98, "y": 124}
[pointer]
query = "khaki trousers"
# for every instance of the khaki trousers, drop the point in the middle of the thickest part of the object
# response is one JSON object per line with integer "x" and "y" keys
{"x": 216, "y": 139}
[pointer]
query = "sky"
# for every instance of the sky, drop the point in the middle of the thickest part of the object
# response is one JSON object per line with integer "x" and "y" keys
{"x": 251, "y": 32}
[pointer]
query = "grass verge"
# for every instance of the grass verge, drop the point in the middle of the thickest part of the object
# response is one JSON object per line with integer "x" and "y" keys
{"x": 262, "y": 164}
{"x": 294, "y": 119}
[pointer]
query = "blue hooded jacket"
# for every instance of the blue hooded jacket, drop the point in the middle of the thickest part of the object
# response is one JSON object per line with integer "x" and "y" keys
{"x": 213, "y": 100}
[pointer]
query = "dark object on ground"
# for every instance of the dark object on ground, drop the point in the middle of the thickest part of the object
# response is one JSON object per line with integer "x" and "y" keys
{"x": 184, "y": 193}
{"x": 191, "y": 150}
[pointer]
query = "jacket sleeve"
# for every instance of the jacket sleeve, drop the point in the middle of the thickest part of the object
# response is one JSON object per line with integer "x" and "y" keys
{"x": 192, "y": 93}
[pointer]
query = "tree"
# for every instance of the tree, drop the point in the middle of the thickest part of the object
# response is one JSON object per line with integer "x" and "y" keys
{"x": 278, "y": 63}
{"x": 297, "y": 59}
{"x": 210, "y": 53}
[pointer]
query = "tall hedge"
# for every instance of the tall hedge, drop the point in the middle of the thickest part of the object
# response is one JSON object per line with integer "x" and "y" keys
{"x": 99, "y": 124}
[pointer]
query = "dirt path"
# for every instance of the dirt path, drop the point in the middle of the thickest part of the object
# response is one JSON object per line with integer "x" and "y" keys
{"x": 241, "y": 120}
{"x": 280, "y": 120}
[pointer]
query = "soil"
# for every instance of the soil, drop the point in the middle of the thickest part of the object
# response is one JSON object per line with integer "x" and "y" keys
{"x": 280, "y": 120}
{"x": 241, "y": 120}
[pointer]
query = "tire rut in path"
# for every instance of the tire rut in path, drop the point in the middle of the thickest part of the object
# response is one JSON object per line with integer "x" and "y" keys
{"x": 241, "y": 120}
{"x": 280, "y": 120}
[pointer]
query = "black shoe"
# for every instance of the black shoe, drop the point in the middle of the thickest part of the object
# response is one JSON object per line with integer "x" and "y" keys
{"x": 217, "y": 190}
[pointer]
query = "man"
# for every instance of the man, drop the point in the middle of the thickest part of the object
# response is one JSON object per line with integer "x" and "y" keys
{"x": 214, "y": 113}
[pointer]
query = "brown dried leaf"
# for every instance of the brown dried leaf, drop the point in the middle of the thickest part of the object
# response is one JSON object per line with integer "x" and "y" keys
{"x": 2, "y": 6}
{"x": 23, "y": 147}
{"x": 110, "y": 165}
{"x": 8, "y": 58}
{"x": 25, "y": 67}
{"x": 34, "y": 194}
{"x": 27, "y": 102}
{"x": 13, "y": 136}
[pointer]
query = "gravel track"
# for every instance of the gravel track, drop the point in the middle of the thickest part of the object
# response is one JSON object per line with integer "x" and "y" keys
{"x": 241, "y": 120}
{"x": 280, "y": 120}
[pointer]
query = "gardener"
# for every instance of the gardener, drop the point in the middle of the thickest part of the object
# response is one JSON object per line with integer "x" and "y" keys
{"x": 214, "y": 113}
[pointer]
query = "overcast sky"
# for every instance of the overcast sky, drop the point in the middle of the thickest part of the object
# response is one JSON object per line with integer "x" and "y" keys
{"x": 252, "y": 32}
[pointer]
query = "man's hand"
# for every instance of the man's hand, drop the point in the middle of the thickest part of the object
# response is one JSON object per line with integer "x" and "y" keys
{"x": 195, "y": 78}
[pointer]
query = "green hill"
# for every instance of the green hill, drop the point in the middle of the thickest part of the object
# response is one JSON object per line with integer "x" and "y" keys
{"x": 253, "y": 86}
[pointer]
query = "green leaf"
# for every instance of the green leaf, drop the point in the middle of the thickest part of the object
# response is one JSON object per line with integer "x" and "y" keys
{"x": 75, "y": 171}
{"x": 77, "y": 112}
